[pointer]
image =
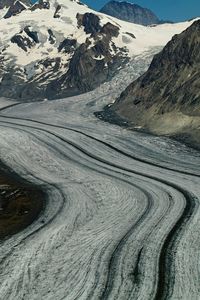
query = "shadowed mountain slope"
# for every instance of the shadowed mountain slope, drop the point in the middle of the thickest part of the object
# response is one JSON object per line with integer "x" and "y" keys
{"x": 166, "y": 99}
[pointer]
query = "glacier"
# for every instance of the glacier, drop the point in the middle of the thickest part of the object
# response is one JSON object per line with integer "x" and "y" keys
{"x": 122, "y": 216}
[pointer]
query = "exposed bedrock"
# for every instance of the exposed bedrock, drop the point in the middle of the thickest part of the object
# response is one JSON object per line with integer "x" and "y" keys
{"x": 166, "y": 99}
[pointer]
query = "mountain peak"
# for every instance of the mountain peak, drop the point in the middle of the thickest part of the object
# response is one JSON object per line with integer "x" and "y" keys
{"x": 166, "y": 98}
{"x": 16, "y": 8}
{"x": 130, "y": 12}
{"x": 59, "y": 48}
{"x": 9, "y": 3}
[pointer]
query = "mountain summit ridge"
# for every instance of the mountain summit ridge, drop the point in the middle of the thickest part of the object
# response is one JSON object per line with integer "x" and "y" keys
{"x": 130, "y": 12}
{"x": 166, "y": 99}
{"x": 9, "y": 3}
{"x": 61, "y": 48}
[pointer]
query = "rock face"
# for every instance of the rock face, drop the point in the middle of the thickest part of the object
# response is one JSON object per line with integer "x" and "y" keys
{"x": 15, "y": 9}
{"x": 166, "y": 99}
{"x": 87, "y": 66}
{"x": 130, "y": 12}
{"x": 9, "y": 3}
{"x": 26, "y": 39}
{"x": 59, "y": 48}
{"x": 90, "y": 22}
{"x": 42, "y": 4}
{"x": 74, "y": 53}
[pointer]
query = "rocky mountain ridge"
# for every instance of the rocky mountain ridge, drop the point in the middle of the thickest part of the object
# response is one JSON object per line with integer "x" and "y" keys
{"x": 45, "y": 62}
{"x": 10, "y": 3}
{"x": 130, "y": 12}
{"x": 59, "y": 48}
{"x": 9, "y": 8}
{"x": 166, "y": 99}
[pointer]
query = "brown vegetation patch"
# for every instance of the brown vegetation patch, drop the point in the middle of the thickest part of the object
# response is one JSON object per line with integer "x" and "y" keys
{"x": 20, "y": 204}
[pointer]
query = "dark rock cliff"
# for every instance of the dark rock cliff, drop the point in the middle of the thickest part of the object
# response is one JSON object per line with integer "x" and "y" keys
{"x": 90, "y": 64}
{"x": 76, "y": 68}
{"x": 166, "y": 99}
{"x": 130, "y": 12}
{"x": 9, "y": 3}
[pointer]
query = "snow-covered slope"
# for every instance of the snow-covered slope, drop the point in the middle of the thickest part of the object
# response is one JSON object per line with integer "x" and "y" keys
{"x": 61, "y": 48}
{"x": 130, "y": 12}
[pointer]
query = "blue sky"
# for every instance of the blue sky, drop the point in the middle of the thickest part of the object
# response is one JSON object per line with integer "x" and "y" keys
{"x": 175, "y": 10}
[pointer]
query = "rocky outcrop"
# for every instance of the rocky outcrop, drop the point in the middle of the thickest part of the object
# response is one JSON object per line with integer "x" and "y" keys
{"x": 56, "y": 14}
{"x": 90, "y": 65}
{"x": 110, "y": 30}
{"x": 60, "y": 48}
{"x": 33, "y": 35}
{"x": 41, "y": 4}
{"x": 130, "y": 12}
{"x": 51, "y": 37}
{"x": 22, "y": 42}
{"x": 25, "y": 39}
{"x": 67, "y": 45}
{"x": 166, "y": 99}
{"x": 15, "y": 9}
{"x": 11, "y": 3}
{"x": 73, "y": 68}
{"x": 90, "y": 22}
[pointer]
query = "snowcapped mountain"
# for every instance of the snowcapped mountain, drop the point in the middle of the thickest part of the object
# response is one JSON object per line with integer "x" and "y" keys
{"x": 9, "y": 3}
{"x": 166, "y": 99}
{"x": 9, "y": 8}
{"x": 59, "y": 48}
{"x": 130, "y": 12}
